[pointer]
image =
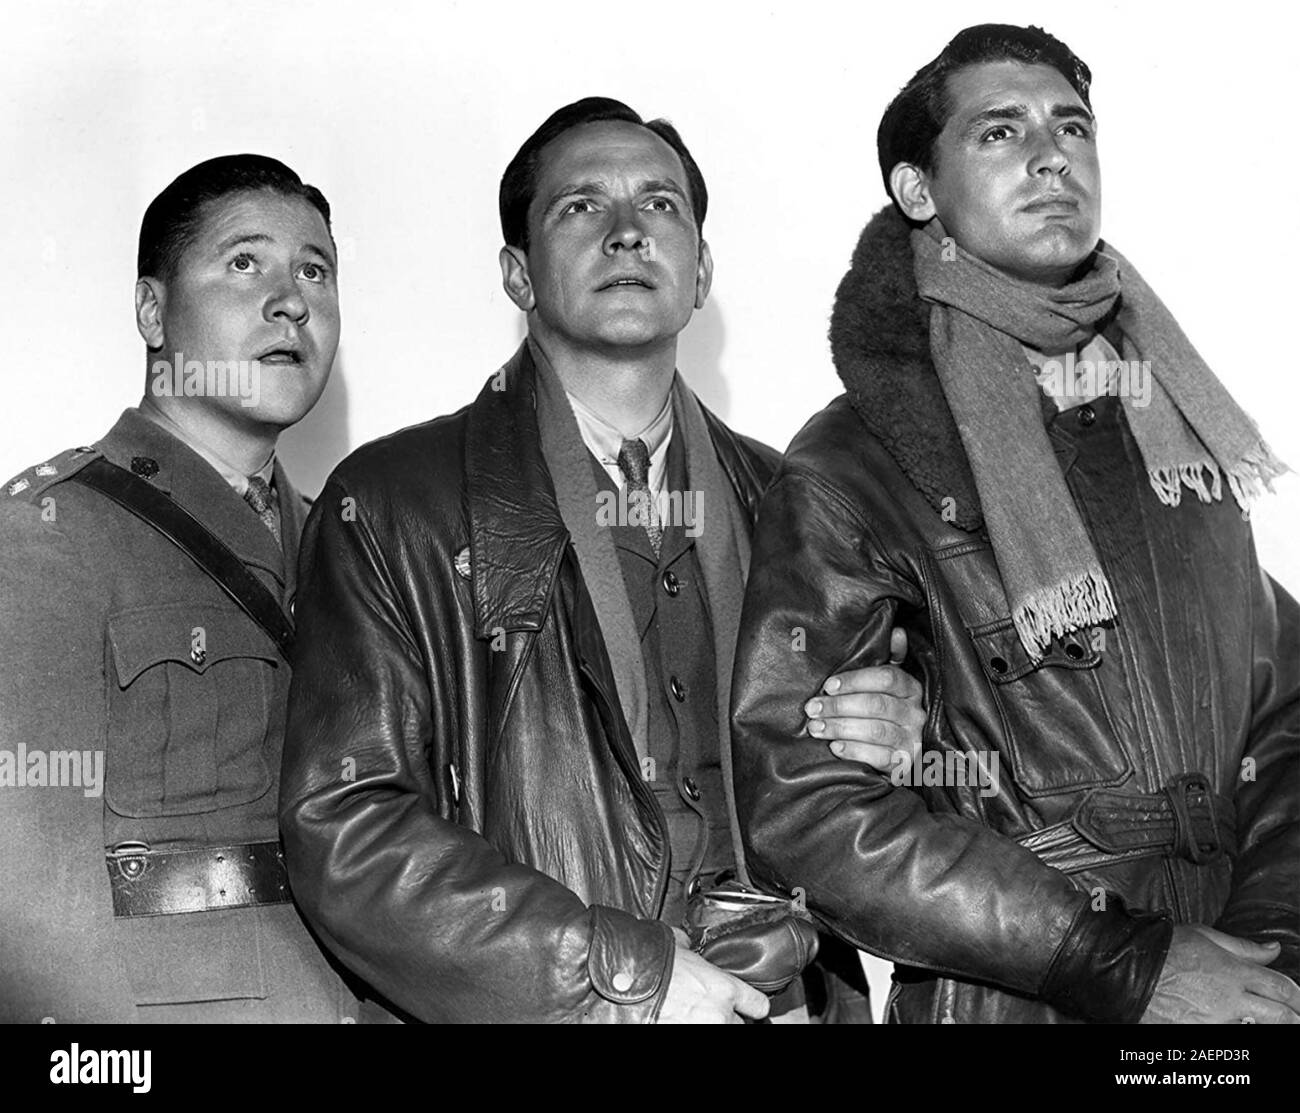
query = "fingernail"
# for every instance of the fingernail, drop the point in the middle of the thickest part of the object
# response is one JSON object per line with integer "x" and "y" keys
{"x": 816, "y": 727}
{"x": 837, "y": 748}
{"x": 833, "y": 684}
{"x": 813, "y": 707}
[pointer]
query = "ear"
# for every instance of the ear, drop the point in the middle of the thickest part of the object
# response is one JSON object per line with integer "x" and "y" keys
{"x": 514, "y": 278}
{"x": 703, "y": 275}
{"x": 911, "y": 189}
{"x": 150, "y": 300}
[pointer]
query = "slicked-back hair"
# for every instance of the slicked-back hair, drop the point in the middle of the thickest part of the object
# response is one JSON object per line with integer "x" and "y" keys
{"x": 917, "y": 115}
{"x": 172, "y": 221}
{"x": 519, "y": 182}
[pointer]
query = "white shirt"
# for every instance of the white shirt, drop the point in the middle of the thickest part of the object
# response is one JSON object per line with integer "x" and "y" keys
{"x": 605, "y": 442}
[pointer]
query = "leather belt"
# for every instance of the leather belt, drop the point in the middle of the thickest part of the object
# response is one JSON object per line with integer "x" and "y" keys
{"x": 149, "y": 882}
{"x": 1185, "y": 819}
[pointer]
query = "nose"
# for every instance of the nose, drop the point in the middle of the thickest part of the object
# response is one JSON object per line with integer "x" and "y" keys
{"x": 1048, "y": 156}
{"x": 625, "y": 231}
{"x": 286, "y": 303}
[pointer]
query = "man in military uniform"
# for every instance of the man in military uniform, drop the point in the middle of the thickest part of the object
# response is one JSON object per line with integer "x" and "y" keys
{"x": 142, "y": 702}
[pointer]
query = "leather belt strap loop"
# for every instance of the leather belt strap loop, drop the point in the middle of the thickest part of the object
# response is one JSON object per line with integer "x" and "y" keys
{"x": 1185, "y": 819}
{"x": 149, "y": 882}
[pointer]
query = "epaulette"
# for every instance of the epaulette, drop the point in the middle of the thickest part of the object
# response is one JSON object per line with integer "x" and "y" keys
{"x": 28, "y": 485}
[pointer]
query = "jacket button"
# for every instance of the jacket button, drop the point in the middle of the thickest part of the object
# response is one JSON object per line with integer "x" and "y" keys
{"x": 198, "y": 656}
{"x": 622, "y": 981}
{"x": 691, "y": 788}
{"x": 1087, "y": 415}
{"x": 293, "y": 606}
{"x": 999, "y": 665}
{"x": 1074, "y": 651}
{"x": 671, "y": 584}
{"x": 144, "y": 466}
{"x": 678, "y": 689}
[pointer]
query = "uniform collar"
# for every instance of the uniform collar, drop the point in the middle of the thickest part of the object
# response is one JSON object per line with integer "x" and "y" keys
{"x": 232, "y": 475}
{"x": 142, "y": 446}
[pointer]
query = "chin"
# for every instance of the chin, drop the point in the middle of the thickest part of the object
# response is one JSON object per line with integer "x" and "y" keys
{"x": 281, "y": 408}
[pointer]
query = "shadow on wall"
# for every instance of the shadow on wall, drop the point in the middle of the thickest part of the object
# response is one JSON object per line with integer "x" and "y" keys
{"x": 311, "y": 449}
{"x": 699, "y": 359}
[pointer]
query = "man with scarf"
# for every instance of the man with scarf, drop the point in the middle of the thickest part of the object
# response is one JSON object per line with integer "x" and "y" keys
{"x": 1036, "y": 475}
{"x": 507, "y": 772}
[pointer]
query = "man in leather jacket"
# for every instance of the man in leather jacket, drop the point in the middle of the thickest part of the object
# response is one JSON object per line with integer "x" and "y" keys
{"x": 508, "y": 765}
{"x": 1103, "y": 823}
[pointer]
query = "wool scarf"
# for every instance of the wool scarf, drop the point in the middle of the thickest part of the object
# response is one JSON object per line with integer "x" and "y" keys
{"x": 723, "y": 549}
{"x": 1191, "y": 434}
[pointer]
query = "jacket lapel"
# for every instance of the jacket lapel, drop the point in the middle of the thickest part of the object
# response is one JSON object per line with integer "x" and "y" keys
{"x": 516, "y": 535}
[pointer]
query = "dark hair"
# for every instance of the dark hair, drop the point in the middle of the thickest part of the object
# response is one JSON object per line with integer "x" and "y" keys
{"x": 915, "y": 117}
{"x": 519, "y": 182}
{"x": 172, "y": 220}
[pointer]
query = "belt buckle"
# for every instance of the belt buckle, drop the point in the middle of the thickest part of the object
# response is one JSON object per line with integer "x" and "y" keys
{"x": 131, "y": 859}
{"x": 1179, "y": 793}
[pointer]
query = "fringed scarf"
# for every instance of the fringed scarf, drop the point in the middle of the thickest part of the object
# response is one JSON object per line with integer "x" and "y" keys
{"x": 1191, "y": 434}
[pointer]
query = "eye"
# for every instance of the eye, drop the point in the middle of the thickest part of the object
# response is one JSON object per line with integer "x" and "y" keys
{"x": 662, "y": 205}
{"x": 244, "y": 263}
{"x": 582, "y": 205}
{"x": 994, "y": 134}
{"x": 313, "y": 272}
{"x": 1082, "y": 130}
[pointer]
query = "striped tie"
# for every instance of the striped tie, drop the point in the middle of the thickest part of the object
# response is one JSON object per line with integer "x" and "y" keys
{"x": 259, "y": 497}
{"x": 634, "y": 463}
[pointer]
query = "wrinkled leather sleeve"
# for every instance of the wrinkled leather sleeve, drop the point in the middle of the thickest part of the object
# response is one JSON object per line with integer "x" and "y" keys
{"x": 421, "y": 907}
{"x": 939, "y": 891}
{"x": 1265, "y": 901}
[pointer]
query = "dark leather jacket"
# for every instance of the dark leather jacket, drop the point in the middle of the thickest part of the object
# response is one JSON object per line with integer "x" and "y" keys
{"x": 463, "y": 815}
{"x": 1199, "y": 673}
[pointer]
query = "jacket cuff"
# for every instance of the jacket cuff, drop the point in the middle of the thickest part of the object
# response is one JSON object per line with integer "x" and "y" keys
{"x": 1107, "y": 967}
{"x": 631, "y": 960}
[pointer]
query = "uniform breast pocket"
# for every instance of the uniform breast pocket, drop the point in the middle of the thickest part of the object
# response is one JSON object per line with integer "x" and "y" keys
{"x": 189, "y": 692}
{"x": 1059, "y": 731}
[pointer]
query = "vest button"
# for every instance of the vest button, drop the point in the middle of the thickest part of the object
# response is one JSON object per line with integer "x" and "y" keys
{"x": 1087, "y": 415}
{"x": 678, "y": 689}
{"x": 691, "y": 788}
{"x": 622, "y": 981}
{"x": 671, "y": 583}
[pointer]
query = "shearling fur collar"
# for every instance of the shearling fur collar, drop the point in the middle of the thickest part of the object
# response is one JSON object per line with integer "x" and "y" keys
{"x": 880, "y": 341}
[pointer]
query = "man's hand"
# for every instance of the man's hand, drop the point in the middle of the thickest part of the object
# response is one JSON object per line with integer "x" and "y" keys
{"x": 700, "y": 993}
{"x": 1213, "y": 978}
{"x": 871, "y": 715}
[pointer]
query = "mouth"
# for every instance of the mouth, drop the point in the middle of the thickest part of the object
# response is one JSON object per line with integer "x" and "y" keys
{"x": 1052, "y": 205}
{"x": 288, "y": 354}
{"x": 626, "y": 281}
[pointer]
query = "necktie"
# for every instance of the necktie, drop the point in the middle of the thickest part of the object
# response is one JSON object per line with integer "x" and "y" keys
{"x": 634, "y": 463}
{"x": 259, "y": 497}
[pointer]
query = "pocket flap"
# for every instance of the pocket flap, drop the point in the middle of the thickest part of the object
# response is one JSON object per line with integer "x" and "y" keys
{"x": 194, "y": 635}
{"x": 1004, "y": 658}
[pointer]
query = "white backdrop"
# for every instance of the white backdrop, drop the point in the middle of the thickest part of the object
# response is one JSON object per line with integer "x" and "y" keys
{"x": 405, "y": 114}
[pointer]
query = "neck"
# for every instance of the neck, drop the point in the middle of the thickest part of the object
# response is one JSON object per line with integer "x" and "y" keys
{"x": 244, "y": 448}
{"x": 626, "y": 390}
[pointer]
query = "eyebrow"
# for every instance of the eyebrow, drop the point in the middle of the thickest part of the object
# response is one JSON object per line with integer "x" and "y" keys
{"x": 1019, "y": 112}
{"x": 650, "y": 185}
{"x": 261, "y": 237}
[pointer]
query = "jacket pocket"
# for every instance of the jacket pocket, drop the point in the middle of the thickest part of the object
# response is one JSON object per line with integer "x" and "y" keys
{"x": 188, "y": 709}
{"x": 1058, "y": 729}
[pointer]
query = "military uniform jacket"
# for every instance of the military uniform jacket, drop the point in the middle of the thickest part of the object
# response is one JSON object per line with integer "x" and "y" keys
{"x": 117, "y": 649}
